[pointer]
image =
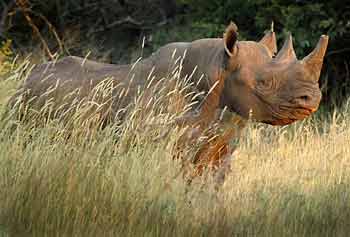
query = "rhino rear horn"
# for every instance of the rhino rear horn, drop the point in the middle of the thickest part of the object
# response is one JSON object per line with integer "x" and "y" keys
{"x": 230, "y": 39}
{"x": 269, "y": 40}
{"x": 314, "y": 60}
{"x": 286, "y": 54}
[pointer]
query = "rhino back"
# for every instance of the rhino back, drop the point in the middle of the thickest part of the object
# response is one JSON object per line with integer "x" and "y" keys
{"x": 67, "y": 75}
{"x": 75, "y": 74}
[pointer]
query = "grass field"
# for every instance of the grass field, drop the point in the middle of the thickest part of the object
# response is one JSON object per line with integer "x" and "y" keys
{"x": 285, "y": 181}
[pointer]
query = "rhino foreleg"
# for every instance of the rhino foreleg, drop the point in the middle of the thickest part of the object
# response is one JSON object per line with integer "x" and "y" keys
{"x": 215, "y": 146}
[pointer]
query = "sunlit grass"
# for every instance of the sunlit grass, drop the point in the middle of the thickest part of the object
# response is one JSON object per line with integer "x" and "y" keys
{"x": 289, "y": 181}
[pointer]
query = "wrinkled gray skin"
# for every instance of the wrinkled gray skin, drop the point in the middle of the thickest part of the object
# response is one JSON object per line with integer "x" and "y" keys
{"x": 244, "y": 76}
{"x": 277, "y": 90}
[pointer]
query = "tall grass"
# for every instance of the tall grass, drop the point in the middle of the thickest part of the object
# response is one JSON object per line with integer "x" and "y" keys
{"x": 289, "y": 181}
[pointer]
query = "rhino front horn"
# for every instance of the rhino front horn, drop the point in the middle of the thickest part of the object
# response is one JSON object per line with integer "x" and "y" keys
{"x": 287, "y": 53}
{"x": 315, "y": 59}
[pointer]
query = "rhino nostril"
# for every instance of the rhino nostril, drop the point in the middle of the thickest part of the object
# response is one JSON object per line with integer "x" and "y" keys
{"x": 305, "y": 98}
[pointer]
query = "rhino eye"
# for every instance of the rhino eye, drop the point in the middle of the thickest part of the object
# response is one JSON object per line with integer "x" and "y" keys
{"x": 265, "y": 82}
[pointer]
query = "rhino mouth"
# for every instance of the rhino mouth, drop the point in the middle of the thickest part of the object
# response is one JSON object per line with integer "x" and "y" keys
{"x": 298, "y": 112}
{"x": 280, "y": 122}
{"x": 291, "y": 114}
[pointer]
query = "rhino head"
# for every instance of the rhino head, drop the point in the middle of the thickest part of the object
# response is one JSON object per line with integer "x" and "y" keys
{"x": 276, "y": 90}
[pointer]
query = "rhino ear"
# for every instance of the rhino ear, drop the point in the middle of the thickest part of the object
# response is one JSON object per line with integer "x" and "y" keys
{"x": 269, "y": 40}
{"x": 230, "y": 39}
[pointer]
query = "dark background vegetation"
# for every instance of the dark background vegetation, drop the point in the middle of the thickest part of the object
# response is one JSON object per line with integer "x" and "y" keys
{"x": 115, "y": 30}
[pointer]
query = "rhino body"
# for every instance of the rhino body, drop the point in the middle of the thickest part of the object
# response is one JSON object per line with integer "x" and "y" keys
{"x": 244, "y": 77}
{"x": 75, "y": 72}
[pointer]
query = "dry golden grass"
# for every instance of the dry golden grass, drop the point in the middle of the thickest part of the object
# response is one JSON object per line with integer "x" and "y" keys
{"x": 290, "y": 181}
